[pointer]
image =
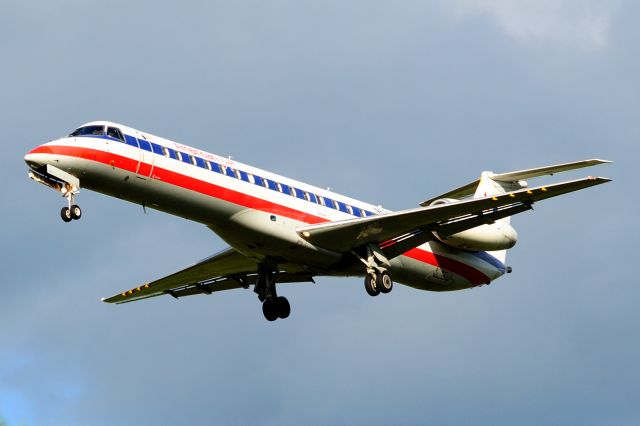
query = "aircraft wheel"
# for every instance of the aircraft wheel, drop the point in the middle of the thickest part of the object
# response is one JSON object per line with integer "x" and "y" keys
{"x": 384, "y": 282}
{"x": 76, "y": 212}
{"x": 370, "y": 285}
{"x": 65, "y": 214}
{"x": 282, "y": 307}
{"x": 269, "y": 309}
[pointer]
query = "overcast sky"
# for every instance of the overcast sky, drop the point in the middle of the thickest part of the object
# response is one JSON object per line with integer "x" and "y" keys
{"x": 388, "y": 102}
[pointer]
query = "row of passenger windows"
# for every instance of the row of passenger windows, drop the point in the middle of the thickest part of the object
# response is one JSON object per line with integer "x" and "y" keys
{"x": 115, "y": 133}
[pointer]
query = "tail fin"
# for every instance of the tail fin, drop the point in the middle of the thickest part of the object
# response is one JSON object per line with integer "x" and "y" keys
{"x": 510, "y": 180}
{"x": 500, "y": 183}
{"x": 488, "y": 186}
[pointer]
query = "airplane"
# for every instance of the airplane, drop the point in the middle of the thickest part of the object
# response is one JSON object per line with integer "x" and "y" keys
{"x": 280, "y": 230}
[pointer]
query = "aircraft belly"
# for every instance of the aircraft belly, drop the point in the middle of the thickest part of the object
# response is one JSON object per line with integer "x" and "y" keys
{"x": 268, "y": 237}
{"x": 436, "y": 267}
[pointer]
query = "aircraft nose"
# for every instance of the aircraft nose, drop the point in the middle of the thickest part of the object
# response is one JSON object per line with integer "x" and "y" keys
{"x": 32, "y": 158}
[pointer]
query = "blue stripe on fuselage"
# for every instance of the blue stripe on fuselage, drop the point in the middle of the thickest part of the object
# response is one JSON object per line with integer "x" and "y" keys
{"x": 492, "y": 260}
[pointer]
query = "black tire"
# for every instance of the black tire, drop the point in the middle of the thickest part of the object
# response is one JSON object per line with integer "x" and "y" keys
{"x": 370, "y": 285}
{"x": 76, "y": 212}
{"x": 269, "y": 310}
{"x": 65, "y": 214}
{"x": 283, "y": 308}
{"x": 384, "y": 282}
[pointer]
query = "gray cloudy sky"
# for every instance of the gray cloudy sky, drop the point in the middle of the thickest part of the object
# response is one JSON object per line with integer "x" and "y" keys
{"x": 390, "y": 102}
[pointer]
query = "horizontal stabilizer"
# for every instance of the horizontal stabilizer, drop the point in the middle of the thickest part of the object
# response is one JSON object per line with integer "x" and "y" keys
{"x": 544, "y": 171}
{"x": 470, "y": 188}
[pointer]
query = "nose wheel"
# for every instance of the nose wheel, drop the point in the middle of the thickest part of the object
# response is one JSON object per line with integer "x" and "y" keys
{"x": 73, "y": 211}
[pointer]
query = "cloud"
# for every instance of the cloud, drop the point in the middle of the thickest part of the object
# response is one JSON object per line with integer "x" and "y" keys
{"x": 575, "y": 24}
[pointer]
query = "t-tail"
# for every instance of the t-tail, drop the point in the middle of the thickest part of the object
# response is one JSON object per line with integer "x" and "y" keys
{"x": 497, "y": 236}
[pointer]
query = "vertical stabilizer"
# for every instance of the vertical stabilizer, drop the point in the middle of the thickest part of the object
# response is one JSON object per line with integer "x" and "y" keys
{"x": 488, "y": 187}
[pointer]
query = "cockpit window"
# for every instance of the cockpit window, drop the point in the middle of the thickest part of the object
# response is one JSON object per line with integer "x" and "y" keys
{"x": 89, "y": 131}
{"x": 115, "y": 133}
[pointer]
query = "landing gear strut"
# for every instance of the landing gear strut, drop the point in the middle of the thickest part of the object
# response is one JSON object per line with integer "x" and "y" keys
{"x": 273, "y": 306}
{"x": 377, "y": 280}
{"x": 73, "y": 211}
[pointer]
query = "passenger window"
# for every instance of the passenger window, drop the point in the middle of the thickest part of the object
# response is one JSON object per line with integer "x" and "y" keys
{"x": 193, "y": 160}
{"x": 306, "y": 196}
{"x": 145, "y": 145}
{"x": 329, "y": 203}
{"x": 215, "y": 167}
{"x": 349, "y": 209}
{"x": 115, "y": 133}
{"x": 279, "y": 186}
{"x": 238, "y": 175}
{"x": 165, "y": 151}
{"x": 321, "y": 200}
{"x": 130, "y": 140}
{"x": 156, "y": 148}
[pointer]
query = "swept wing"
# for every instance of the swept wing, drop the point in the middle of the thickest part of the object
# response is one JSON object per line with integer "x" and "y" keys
{"x": 346, "y": 235}
{"x": 226, "y": 270}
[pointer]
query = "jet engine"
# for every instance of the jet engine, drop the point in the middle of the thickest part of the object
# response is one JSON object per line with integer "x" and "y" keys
{"x": 499, "y": 235}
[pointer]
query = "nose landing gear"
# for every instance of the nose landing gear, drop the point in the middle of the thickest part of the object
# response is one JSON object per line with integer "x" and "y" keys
{"x": 73, "y": 211}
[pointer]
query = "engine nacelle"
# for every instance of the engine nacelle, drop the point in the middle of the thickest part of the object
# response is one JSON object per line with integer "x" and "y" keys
{"x": 499, "y": 235}
{"x": 495, "y": 236}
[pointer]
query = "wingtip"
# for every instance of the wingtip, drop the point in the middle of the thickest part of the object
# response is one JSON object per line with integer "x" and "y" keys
{"x": 599, "y": 179}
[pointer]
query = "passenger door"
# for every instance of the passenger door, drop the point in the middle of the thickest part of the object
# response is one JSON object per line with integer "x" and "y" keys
{"x": 145, "y": 165}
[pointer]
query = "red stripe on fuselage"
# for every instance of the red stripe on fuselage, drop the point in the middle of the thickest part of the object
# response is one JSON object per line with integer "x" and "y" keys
{"x": 165, "y": 175}
{"x": 470, "y": 273}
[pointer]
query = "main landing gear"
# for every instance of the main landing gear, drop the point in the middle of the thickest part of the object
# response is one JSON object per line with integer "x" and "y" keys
{"x": 73, "y": 211}
{"x": 377, "y": 279}
{"x": 378, "y": 282}
{"x": 273, "y": 306}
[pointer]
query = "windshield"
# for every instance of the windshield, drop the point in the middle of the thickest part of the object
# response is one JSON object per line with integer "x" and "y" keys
{"x": 89, "y": 130}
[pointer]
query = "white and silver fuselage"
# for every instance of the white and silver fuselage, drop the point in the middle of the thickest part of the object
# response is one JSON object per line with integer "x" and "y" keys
{"x": 253, "y": 210}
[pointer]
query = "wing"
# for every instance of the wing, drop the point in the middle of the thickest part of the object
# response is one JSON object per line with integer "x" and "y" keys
{"x": 226, "y": 270}
{"x": 346, "y": 235}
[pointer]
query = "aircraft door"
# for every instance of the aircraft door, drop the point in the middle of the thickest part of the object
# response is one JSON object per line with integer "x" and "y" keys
{"x": 145, "y": 164}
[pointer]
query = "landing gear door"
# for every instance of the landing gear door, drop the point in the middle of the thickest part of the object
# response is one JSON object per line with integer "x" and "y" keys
{"x": 145, "y": 165}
